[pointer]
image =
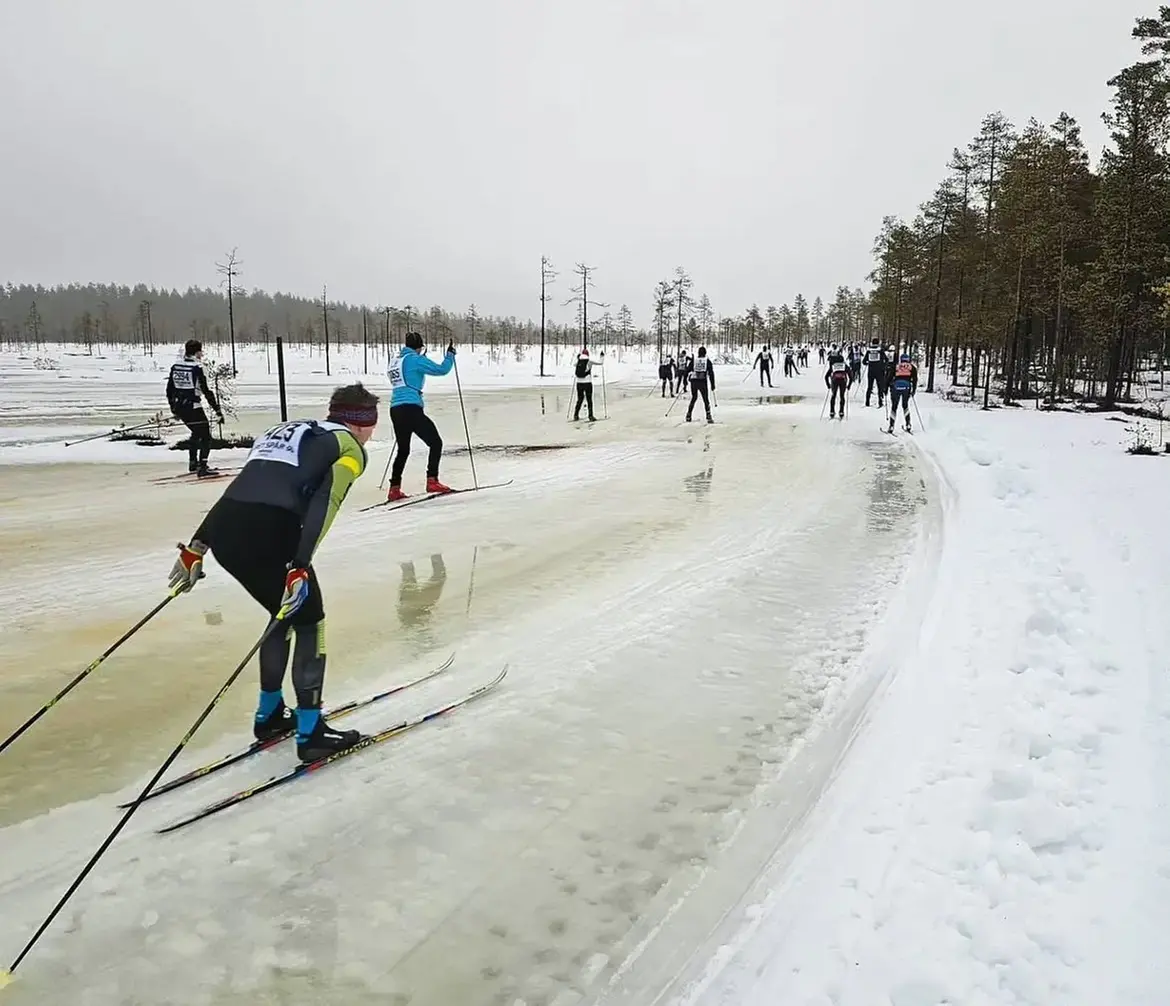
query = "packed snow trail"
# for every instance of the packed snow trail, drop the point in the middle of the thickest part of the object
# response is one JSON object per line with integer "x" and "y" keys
{"x": 677, "y": 604}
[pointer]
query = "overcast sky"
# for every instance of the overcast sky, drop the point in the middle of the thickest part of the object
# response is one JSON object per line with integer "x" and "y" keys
{"x": 430, "y": 152}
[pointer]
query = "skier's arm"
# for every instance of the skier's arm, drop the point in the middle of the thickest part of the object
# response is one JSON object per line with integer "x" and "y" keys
{"x": 349, "y": 462}
{"x": 171, "y": 393}
{"x": 432, "y": 369}
{"x": 913, "y": 380}
{"x": 711, "y": 374}
{"x": 202, "y": 379}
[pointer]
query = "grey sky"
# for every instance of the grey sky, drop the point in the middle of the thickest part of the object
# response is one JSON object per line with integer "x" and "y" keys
{"x": 430, "y": 152}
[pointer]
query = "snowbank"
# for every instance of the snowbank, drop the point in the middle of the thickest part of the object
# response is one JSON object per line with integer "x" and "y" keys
{"x": 999, "y": 833}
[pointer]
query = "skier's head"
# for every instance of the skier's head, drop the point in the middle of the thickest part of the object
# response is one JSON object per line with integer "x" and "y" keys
{"x": 702, "y": 350}
{"x": 356, "y": 409}
{"x": 873, "y": 341}
{"x": 584, "y": 354}
{"x": 193, "y": 349}
{"x": 414, "y": 341}
{"x": 904, "y": 358}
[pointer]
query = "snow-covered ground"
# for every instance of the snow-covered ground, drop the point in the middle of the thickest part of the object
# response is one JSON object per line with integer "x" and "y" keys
{"x": 798, "y": 712}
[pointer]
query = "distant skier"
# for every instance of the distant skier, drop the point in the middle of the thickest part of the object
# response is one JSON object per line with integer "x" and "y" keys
{"x": 821, "y": 352}
{"x": 855, "y": 361}
{"x": 185, "y": 383}
{"x": 802, "y": 356}
{"x": 264, "y": 531}
{"x": 875, "y": 364}
{"x": 583, "y": 372}
{"x": 903, "y": 388}
{"x": 686, "y": 364}
{"x": 702, "y": 376}
{"x": 790, "y": 362}
{"x": 408, "y": 372}
{"x": 666, "y": 375}
{"x": 764, "y": 363}
{"x": 838, "y": 379}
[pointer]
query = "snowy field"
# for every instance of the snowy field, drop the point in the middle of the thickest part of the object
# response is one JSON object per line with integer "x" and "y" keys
{"x": 797, "y": 712}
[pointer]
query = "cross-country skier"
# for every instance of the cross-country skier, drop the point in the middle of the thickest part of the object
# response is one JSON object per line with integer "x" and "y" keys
{"x": 764, "y": 363}
{"x": 583, "y": 372}
{"x": 702, "y": 377}
{"x": 185, "y": 383}
{"x": 408, "y": 372}
{"x": 855, "y": 361}
{"x": 802, "y": 356}
{"x": 264, "y": 531}
{"x": 821, "y": 352}
{"x": 838, "y": 379}
{"x": 790, "y": 362}
{"x": 686, "y": 364}
{"x": 903, "y": 388}
{"x": 875, "y": 364}
{"x": 666, "y": 375}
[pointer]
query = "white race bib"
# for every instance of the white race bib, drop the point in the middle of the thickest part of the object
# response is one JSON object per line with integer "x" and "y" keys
{"x": 281, "y": 443}
{"x": 394, "y": 372}
{"x": 838, "y": 366}
{"x": 183, "y": 377}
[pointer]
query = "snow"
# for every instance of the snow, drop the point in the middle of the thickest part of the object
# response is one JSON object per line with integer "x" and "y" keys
{"x": 799, "y": 712}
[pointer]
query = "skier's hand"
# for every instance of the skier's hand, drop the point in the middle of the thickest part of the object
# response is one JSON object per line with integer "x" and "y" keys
{"x": 296, "y": 592}
{"x": 188, "y": 567}
{"x": 451, "y": 349}
{"x": 219, "y": 418}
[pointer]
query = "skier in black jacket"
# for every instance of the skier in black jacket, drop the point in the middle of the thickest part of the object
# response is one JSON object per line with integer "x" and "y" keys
{"x": 875, "y": 365}
{"x": 838, "y": 379}
{"x": 702, "y": 376}
{"x": 185, "y": 383}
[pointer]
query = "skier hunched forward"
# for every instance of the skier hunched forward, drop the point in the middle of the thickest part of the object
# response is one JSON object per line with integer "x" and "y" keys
{"x": 790, "y": 362}
{"x": 903, "y": 388}
{"x": 264, "y": 531}
{"x": 702, "y": 377}
{"x": 185, "y": 384}
{"x": 838, "y": 379}
{"x": 583, "y": 372}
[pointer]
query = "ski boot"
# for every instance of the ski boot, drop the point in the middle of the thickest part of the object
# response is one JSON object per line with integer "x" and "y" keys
{"x": 325, "y": 741}
{"x": 281, "y": 722}
{"x": 908, "y": 430}
{"x": 710, "y": 420}
{"x": 203, "y": 472}
{"x": 395, "y": 494}
{"x": 435, "y": 486}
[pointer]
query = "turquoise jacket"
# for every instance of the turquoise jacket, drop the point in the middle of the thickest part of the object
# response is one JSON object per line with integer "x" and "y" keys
{"x": 407, "y": 373}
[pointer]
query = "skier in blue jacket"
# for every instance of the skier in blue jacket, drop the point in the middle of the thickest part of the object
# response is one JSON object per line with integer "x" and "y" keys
{"x": 407, "y": 373}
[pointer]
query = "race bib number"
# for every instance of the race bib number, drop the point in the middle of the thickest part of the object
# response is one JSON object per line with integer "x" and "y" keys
{"x": 281, "y": 443}
{"x": 183, "y": 378}
{"x": 875, "y": 355}
{"x": 902, "y": 370}
{"x": 394, "y": 372}
{"x": 838, "y": 367}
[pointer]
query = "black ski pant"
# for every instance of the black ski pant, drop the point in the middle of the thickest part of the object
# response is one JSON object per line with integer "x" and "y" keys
{"x": 765, "y": 371}
{"x": 667, "y": 382}
{"x": 409, "y": 421}
{"x": 199, "y": 443}
{"x": 255, "y": 542}
{"x": 837, "y": 388}
{"x": 897, "y": 396}
{"x": 584, "y": 396}
{"x": 699, "y": 388}
{"x": 876, "y": 377}
{"x": 789, "y": 367}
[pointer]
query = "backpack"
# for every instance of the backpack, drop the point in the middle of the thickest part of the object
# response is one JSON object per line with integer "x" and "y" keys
{"x": 582, "y": 367}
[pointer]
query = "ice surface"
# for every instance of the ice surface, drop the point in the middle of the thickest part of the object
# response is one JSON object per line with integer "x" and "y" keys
{"x": 680, "y": 604}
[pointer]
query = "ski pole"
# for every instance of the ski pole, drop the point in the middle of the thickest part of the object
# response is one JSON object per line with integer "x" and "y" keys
{"x": 604, "y": 405}
{"x": 89, "y": 670}
{"x": 466, "y": 431}
{"x": 825, "y": 404}
{"x": 118, "y": 429}
{"x": 393, "y": 450}
{"x": 914, "y": 399}
{"x": 6, "y": 976}
{"x": 672, "y": 405}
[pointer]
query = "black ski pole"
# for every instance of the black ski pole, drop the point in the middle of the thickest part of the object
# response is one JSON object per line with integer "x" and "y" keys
{"x": 5, "y": 976}
{"x": 89, "y": 670}
{"x": 393, "y": 449}
{"x": 914, "y": 399}
{"x": 825, "y": 404}
{"x": 466, "y": 431}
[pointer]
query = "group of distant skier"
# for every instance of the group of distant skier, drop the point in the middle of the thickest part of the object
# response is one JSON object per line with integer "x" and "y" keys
{"x": 695, "y": 371}
{"x": 887, "y": 371}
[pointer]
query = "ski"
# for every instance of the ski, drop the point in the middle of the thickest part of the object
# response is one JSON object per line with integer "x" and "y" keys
{"x": 306, "y": 767}
{"x": 257, "y": 746}
{"x": 412, "y": 500}
{"x": 220, "y": 473}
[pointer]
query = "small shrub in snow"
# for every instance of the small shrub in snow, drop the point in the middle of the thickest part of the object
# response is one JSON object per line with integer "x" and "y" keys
{"x": 46, "y": 363}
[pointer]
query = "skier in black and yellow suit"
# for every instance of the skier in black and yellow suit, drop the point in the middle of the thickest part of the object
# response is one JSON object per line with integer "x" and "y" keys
{"x": 264, "y": 531}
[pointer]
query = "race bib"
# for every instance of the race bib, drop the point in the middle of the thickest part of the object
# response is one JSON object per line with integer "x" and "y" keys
{"x": 281, "y": 443}
{"x": 902, "y": 370}
{"x": 875, "y": 355}
{"x": 838, "y": 367}
{"x": 394, "y": 372}
{"x": 183, "y": 378}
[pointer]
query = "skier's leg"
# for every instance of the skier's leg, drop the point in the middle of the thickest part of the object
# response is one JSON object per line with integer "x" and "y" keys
{"x": 589, "y": 400}
{"x": 188, "y": 418}
{"x": 694, "y": 398}
{"x": 706, "y": 398}
{"x": 869, "y": 387}
{"x": 580, "y": 401}
{"x": 428, "y": 433}
{"x": 400, "y": 419}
